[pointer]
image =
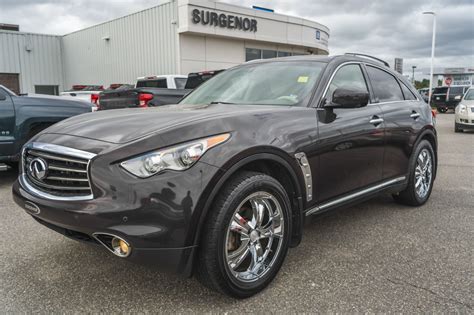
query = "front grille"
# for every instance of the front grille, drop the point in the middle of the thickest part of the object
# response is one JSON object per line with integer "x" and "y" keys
{"x": 65, "y": 175}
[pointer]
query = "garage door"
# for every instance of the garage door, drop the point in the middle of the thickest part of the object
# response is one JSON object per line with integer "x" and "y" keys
{"x": 11, "y": 81}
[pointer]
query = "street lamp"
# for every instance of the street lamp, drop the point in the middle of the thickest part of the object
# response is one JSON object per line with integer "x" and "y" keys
{"x": 432, "y": 53}
{"x": 413, "y": 74}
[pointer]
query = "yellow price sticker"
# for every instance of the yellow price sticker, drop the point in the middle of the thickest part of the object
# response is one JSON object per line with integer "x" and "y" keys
{"x": 303, "y": 79}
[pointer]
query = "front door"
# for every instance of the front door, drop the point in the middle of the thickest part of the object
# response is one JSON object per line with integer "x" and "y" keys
{"x": 351, "y": 141}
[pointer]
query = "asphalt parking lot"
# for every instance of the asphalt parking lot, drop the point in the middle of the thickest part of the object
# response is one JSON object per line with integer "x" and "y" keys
{"x": 374, "y": 257}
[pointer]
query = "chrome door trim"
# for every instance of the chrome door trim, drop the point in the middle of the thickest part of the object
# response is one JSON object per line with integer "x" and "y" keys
{"x": 359, "y": 193}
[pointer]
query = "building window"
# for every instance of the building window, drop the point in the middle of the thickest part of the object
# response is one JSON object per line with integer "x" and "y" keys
{"x": 284, "y": 54}
{"x": 47, "y": 89}
{"x": 266, "y": 54}
{"x": 252, "y": 53}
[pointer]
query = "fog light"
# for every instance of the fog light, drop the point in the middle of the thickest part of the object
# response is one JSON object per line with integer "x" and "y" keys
{"x": 120, "y": 247}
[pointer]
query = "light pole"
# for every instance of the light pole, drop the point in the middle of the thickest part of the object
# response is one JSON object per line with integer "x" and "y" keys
{"x": 432, "y": 53}
{"x": 413, "y": 74}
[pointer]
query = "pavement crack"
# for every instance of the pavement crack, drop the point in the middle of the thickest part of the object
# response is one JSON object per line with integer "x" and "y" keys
{"x": 403, "y": 282}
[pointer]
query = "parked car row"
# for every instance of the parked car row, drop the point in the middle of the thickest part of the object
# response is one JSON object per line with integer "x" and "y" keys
{"x": 153, "y": 91}
{"x": 220, "y": 184}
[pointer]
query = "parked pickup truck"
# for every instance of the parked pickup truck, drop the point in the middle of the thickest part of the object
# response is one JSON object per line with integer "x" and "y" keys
{"x": 88, "y": 93}
{"x": 153, "y": 91}
{"x": 22, "y": 117}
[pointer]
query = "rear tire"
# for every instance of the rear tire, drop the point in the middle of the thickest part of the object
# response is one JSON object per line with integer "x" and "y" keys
{"x": 421, "y": 178}
{"x": 247, "y": 235}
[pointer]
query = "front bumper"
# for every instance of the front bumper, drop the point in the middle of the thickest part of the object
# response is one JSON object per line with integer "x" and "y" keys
{"x": 157, "y": 216}
{"x": 80, "y": 226}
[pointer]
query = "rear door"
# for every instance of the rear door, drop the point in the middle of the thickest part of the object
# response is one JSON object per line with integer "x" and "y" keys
{"x": 7, "y": 124}
{"x": 351, "y": 141}
{"x": 401, "y": 112}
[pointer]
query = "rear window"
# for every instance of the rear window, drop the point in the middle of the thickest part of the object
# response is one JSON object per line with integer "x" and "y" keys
{"x": 154, "y": 83}
{"x": 180, "y": 82}
{"x": 440, "y": 90}
{"x": 196, "y": 79}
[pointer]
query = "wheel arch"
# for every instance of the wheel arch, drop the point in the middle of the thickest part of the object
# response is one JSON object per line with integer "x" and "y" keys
{"x": 429, "y": 134}
{"x": 270, "y": 163}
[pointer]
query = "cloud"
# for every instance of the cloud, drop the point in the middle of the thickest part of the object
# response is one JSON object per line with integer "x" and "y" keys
{"x": 387, "y": 29}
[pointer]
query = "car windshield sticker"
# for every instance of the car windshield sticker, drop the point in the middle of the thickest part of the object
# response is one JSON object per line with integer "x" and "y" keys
{"x": 303, "y": 79}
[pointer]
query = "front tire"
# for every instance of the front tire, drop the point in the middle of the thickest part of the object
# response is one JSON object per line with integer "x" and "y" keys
{"x": 457, "y": 128}
{"x": 247, "y": 237}
{"x": 420, "y": 181}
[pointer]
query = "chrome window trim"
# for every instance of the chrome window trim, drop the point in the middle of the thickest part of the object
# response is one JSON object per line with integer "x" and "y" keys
{"x": 57, "y": 149}
{"x": 359, "y": 193}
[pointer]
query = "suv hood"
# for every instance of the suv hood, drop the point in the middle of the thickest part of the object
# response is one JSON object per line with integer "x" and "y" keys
{"x": 124, "y": 125}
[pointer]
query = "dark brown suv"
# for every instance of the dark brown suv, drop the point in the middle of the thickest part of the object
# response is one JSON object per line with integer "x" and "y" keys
{"x": 220, "y": 184}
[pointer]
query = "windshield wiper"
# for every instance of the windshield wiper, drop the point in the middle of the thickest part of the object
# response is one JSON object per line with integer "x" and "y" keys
{"x": 221, "y": 102}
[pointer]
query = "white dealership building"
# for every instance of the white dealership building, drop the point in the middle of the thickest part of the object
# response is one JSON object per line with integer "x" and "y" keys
{"x": 175, "y": 37}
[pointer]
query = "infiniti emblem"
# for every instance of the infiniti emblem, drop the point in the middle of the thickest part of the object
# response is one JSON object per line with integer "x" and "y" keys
{"x": 38, "y": 168}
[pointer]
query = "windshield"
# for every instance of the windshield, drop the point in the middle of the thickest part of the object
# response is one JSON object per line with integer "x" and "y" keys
{"x": 270, "y": 83}
{"x": 469, "y": 95}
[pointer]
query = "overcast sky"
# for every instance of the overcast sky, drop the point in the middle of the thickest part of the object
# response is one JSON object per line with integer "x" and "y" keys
{"x": 387, "y": 29}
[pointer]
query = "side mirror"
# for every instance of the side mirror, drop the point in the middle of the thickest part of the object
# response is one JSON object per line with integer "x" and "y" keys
{"x": 345, "y": 98}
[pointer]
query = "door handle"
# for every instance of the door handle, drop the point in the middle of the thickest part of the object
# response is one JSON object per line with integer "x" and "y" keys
{"x": 414, "y": 115}
{"x": 376, "y": 120}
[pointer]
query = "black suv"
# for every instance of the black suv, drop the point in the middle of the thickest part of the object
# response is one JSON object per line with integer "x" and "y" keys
{"x": 220, "y": 184}
{"x": 447, "y": 97}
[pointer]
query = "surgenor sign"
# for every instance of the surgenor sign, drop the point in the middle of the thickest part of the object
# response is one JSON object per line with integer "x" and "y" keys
{"x": 222, "y": 20}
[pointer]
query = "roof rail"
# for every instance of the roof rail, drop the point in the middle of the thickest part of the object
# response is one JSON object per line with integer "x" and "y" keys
{"x": 369, "y": 56}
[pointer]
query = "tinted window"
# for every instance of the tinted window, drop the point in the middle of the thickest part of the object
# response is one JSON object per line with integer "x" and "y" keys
{"x": 251, "y": 54}
{"x": 284, "y": 54}
{"x": 158, "y": 83}
{"x": 266, "y": 54}
{"x": 348, "y": 77}
{"x": 180, "y": 82}
{"x": 407, "y": 92}
{"x": 386, "y": 87}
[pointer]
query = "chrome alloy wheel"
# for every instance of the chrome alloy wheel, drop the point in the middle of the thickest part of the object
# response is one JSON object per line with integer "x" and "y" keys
{"x": 423, "y": 173}
{"x": 254, "y": 237}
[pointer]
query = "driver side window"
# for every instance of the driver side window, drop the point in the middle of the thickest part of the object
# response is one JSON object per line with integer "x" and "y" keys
{"x": 348, "y": 77}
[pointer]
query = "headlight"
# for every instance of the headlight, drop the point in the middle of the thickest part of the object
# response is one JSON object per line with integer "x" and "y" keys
{"x": 462, "y": 108}
{"x": 177, "y": 158}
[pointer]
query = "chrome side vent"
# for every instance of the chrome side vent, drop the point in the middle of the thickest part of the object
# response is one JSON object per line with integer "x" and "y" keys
{"x": 306, "y": 169}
